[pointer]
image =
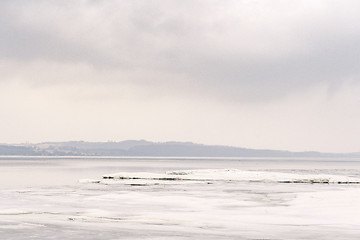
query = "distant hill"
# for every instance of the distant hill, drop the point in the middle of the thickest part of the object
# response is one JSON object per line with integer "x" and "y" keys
{"x": 151, "y": 149}
{"x": 16, "y": 150}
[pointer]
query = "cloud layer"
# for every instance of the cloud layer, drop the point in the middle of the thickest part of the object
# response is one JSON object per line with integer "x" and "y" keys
{"x": 208, "y": 71}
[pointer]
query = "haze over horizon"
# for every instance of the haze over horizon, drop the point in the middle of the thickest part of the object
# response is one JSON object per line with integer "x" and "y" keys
{"x": 257, "y": 74}
{"x": 146, "y": 142}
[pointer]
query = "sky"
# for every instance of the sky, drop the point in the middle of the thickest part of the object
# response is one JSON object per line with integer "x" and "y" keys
{"x": 273, "y": 74}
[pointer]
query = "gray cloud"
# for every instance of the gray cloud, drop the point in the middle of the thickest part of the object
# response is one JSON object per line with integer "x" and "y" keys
{"x": 237, "y": 49}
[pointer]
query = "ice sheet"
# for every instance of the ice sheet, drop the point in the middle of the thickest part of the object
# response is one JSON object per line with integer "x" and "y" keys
{"x": 219, "y": 204}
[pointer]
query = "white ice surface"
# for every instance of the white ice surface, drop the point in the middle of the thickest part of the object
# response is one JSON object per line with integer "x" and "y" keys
{"x": 221, "y": 210}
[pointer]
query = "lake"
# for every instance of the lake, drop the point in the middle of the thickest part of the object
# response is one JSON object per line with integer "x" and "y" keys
{"x": 210, "y": 198}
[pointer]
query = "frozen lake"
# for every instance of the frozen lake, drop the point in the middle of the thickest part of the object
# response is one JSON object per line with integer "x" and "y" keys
{"x": 178, "y": 198}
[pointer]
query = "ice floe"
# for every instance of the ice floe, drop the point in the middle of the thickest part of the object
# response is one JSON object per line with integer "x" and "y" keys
{"x": 234, "y": 175}
{"x": 89, "y": 181}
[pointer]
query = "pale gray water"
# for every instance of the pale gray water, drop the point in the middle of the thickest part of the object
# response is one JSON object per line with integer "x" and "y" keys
{"x": 42, "y": 198}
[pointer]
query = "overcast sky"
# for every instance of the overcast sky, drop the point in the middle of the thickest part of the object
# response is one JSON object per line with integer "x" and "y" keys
{"x": 274, "y": 74}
